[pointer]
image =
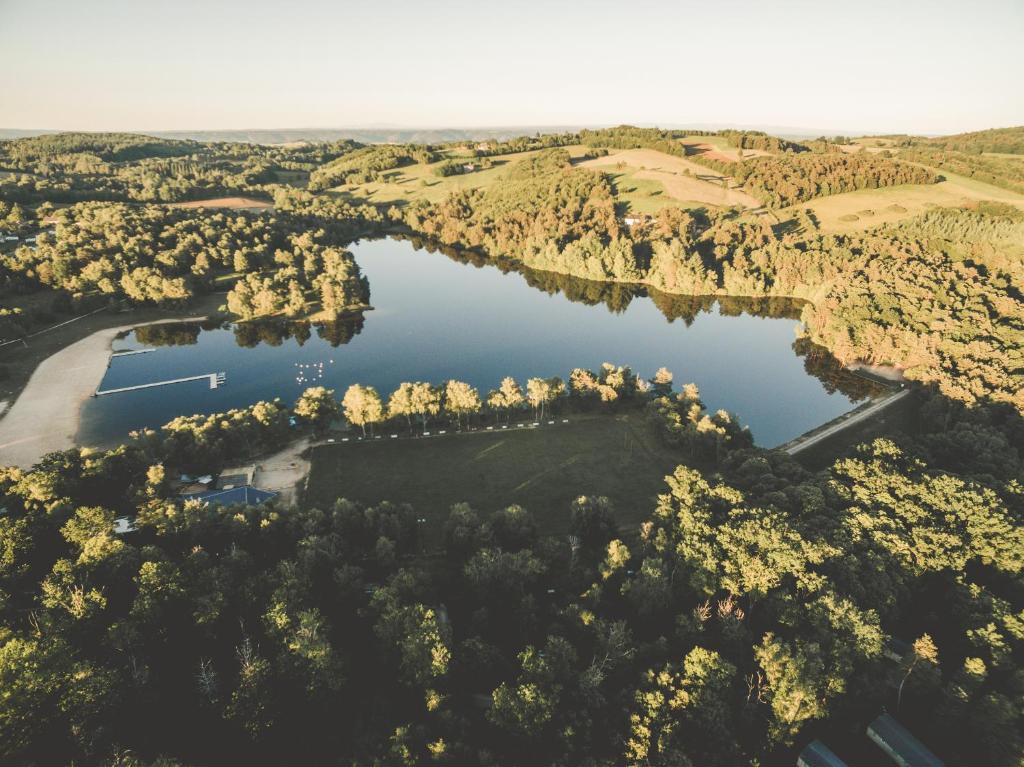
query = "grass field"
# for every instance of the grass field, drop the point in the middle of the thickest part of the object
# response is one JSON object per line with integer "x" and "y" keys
{"x": 418, "y": 182}
{"x": 684, "y": 183}
{"x": 868, "y": 208}
{"x": 647, "y": 180}
{"x": 718, "y": 147}
{"x": 541, "y": 469}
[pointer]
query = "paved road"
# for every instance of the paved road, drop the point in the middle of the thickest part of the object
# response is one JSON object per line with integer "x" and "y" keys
{"x": 846, "y": 422}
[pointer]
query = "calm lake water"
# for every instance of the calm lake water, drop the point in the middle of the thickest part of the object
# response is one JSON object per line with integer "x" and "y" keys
{"x": 437, "y": 318}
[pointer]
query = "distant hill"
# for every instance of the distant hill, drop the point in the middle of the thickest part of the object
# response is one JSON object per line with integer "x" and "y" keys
{"x": 406, "y": 135}
{"x": 366, "y": 135}
{"x": 1001, "y": 140}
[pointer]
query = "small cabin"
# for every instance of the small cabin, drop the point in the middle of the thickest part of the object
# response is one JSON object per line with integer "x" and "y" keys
{"x": 817, "y": 754}
{"x": 900, "y": 746}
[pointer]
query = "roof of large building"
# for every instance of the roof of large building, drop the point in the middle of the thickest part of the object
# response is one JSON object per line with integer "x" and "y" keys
{"x": 895, "y": 738}
{"x": 246, "y": 494}
{"x": 817, "y": 754}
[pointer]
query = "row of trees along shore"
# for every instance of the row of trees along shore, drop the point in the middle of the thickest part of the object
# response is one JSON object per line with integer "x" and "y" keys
{"x": 680, "y": 417}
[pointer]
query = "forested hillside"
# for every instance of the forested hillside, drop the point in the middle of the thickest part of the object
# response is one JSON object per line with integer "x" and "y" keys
{"x": 879, "y": 297}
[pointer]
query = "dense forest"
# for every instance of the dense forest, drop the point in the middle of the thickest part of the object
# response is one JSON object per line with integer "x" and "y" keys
{"x": 756, "y": 607}
{"x": 69, "y": 167}
{"x": 157, "y": 255}
{"x": 753, "y": 607}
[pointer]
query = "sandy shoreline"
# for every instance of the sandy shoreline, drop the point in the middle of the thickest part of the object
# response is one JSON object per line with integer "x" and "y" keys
{"x": 46, "y": 415}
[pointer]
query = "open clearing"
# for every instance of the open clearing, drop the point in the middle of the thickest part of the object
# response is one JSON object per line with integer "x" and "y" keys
{"x": 868, "y": 208}
{"x": 542, "y": 469}
{"x": 283, "y": 471}
{"x": 234, "y": 203}
{"x": 717, "y": 148}
{"x": 419, "y": 182}
{"x": 681, "y": 179}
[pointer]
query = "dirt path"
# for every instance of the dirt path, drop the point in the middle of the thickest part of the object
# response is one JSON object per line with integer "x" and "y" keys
{"x": 282, "y": 472}
{"x": 46, "y": 415}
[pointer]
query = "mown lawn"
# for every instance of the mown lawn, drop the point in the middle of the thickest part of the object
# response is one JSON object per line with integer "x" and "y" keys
{"x": 542, "y": 469}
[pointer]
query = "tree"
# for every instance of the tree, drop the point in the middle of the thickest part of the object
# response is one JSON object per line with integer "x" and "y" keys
{"x": 541, "y": 391}
{"x": 507, "y": 397}
{"x": 317, "y": 406}
{"x": 424, "y": 401}
{"x": 363, "y": 406}
{"x": 923, "y": 650}
{"x": 662, "y": 382}
{"x": 400, "y": 403}
{"x": 461, "y": 399}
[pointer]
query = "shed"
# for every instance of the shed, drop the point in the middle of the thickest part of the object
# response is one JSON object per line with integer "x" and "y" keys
{"x": 236, "y": 477}
{"x": 902, "y": 747}
{"x": 248, "y": 495}
{"x": 817, "y": 754}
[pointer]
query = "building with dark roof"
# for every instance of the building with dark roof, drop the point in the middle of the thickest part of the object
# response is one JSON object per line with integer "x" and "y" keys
{"x": 817, "y": 754}
{"x": 248, "y": 495}
{"x": 902, "y": 747}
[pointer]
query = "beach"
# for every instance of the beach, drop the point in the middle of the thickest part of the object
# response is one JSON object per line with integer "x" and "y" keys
{"x": 45, "y": 416}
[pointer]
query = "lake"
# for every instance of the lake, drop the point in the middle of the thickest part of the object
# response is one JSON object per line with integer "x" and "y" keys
{"x": 440, "y": 316}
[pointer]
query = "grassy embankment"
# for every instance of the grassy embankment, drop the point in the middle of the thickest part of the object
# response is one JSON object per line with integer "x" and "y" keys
{"x": 542, "y": 469}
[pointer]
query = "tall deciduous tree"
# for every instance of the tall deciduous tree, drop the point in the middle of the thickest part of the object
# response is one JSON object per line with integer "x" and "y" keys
{"x": 461, "y": 399}
{"x": 363, "y": 406}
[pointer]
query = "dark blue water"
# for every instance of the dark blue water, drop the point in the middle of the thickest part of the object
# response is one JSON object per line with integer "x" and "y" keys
{"x": 436, "y": 318}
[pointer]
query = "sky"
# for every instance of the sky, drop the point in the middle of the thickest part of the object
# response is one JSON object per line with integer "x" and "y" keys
{"x": 904, "y": 66}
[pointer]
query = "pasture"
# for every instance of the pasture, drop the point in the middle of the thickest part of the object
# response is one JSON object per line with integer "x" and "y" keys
{"x": 683, "y": 181}
{"x": 419, "y": 182}
{"x": 868, "y": 208}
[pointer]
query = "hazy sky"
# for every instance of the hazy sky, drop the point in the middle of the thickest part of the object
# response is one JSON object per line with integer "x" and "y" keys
{"x": 899, "y": 65}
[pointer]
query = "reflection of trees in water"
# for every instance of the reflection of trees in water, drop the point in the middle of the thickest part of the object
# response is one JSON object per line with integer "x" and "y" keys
{"x": 251, "y": 334}
{"x": 341, "y": 330}
{"x": 616, "y": 296}
{"x": 827, "y": 369}
{"x": 274, "y": 333}
{"x": 173, "y": 333}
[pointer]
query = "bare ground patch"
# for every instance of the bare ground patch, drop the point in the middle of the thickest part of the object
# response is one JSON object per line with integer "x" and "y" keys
{"x": 234, "y": 203}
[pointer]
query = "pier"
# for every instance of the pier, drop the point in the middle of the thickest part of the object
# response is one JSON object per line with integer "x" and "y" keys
{"x": 216, "y": 380}
{"x": 130, "y": 353}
